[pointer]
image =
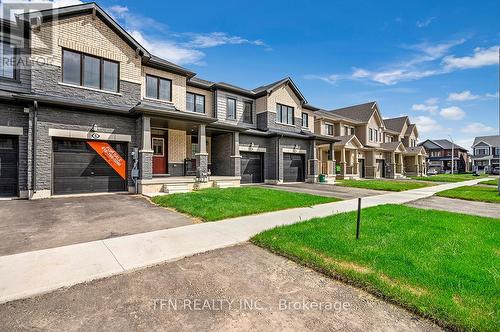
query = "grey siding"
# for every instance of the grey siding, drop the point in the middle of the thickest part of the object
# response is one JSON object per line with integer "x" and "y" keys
{"x": 76, "y": 120}
{"x": 14, "y": 116}
{"x": 46, "y": 79}
{"x": 267, "y": 120}
{"x": 221, "y": 107}
{"x": 221, "y": 152}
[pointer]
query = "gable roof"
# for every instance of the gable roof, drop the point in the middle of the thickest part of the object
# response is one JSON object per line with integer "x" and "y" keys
{"x": 416, "y": 150}
{"x": 410, "y": 128}
{"x": 443, "y": 144}
{"x": 397, "y": 124}
{"x": 361, "y": 112}
{"x": 269, "y": 88}
{"x": 343, "y": 140}
{"x": 52, "y": 14}
{"x": 393, "y": 146}
{"x": 491, "y": 140}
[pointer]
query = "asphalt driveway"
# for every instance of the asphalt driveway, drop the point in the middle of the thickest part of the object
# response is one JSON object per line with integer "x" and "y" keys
{"x": 483, "y": 209}
{"x": 48, "y": 223}
{"x": 237, "y": 288}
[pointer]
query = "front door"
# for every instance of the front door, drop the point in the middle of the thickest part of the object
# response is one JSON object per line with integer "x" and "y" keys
{"x": 8, "y": 165}
{"x": 361, "y": 165}
{"x": 158, "y": 143}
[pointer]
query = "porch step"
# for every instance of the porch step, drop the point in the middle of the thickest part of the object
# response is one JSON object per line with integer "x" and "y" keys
{"x": 175, "y": 188}
{"x": 224, "y": 184}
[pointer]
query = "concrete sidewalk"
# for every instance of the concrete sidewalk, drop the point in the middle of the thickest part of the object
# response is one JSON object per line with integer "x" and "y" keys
{"x": 27, "y": 274}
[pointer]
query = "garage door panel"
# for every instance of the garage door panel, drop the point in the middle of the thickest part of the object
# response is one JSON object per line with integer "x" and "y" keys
{"x": 293, "y": 167}
{"x": 252, "y": 167}
{"x": 79, "y": 169}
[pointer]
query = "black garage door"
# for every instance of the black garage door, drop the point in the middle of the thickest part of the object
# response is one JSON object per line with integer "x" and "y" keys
{"x": 251, "y": 167}
{"x": 8, "y": 165}
{"x": 293, "y": 167}
{"x": 79, "y": 169}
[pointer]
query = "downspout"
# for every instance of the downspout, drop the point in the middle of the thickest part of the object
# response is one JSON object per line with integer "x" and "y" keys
{"x": 35, "y": 125}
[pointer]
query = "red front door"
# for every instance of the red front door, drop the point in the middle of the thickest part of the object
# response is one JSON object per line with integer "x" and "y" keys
{"x": 159, "y": 154}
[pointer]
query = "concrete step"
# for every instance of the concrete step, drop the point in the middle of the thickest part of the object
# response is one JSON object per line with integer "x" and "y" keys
{"x": 175, "y": 188}
{"x": 225, "y": 184}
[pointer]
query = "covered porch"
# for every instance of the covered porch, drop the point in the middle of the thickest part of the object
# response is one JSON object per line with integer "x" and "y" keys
{"x": 394, "y": 157}
{"x": 346, "y": 155}
{"x": 181, "y": 151}
{"x": 414, "y": 161}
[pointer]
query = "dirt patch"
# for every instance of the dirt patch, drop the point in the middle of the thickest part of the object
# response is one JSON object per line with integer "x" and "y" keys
{"x": 418, "y": 291}
{"x": 342, "y": 264}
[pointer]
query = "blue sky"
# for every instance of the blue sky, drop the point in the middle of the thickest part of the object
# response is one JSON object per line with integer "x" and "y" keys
{"x": 436, "y": 61}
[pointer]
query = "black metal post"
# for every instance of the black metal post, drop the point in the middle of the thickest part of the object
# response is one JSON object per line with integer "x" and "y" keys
{"x": 359, "y": 218}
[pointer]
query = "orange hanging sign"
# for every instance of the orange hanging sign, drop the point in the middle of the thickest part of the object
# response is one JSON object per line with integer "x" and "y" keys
{"x": 110, "y": 156}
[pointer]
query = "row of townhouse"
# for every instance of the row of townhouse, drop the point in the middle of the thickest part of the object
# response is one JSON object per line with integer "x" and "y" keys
{"x": 85, "y": 108}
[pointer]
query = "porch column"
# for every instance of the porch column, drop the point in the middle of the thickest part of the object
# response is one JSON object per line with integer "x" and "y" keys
{"x": 235, "y": 155}
{"x": 202, "y": 156}
{"x": 417, "y": 166}
{"x": 331, "y": 160}
{"x": 401, "y": 162}
{"x": 356, "y": 163}
{"x": 392, "y": 165}
{"x": 342, "y": 163}
{"x": 145, "y": 161}
{"x": 313, "y": 163}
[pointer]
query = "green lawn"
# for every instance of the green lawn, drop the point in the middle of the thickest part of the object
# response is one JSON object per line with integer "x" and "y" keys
{"x": 439, "y": 264}
{"x": 447, "y": 177}
{"x": 491, "y": 182}
{"x": 216, "y": 204}
{"x": 387, "y": 185}
{"x": 473, "y": 193}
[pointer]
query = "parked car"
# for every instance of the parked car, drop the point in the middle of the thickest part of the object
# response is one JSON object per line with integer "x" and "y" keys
{"x": 432, "y": 171}
{"x": 495, "y": 171}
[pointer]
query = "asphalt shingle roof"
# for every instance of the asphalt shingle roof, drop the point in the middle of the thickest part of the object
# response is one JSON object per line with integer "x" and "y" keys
{"x": 361, "y": 112}
{"x": 396, "y": 124}
{"x": 491, "y": 140}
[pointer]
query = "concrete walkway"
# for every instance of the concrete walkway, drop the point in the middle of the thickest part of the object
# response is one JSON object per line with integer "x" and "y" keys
{"x": 27, "y": 274}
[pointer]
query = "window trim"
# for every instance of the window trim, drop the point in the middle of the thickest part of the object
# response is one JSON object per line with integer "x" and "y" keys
{"x": 328, "y": 125}
{"x": 82, "y": 71}
{"x": 227, "y": 108}
{"x": 162, "y": 146}
{"x": 195, "y": 95}
{"x": 158, "y": 80}
{"x": 280, "y": 106}
{"x": 248, "y": 102}
{"x": 307, "y": 120}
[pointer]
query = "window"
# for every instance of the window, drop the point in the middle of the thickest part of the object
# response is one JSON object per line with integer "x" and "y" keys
{"x": 195, "y": 102}
{"x": 497, "y": 151}
{"x": 158, "y": 147}
{"x": 329, "y": 129}
{"x": 305, "y": 120}
{"x": 231, "y": 108}
{"x": 284, "y": 114}
{"x": 352, "y": 130}
{"x": 483, "y": 151}
{"x": 370, "y": 134}
{"x": 346, "y": 130}
{"x": 90, "y": 71}
{"x": 375, "y": 135}
{"x": 247, "y": 112}
{"x": 158, "y": 88}
{"x": 7, "y": 63}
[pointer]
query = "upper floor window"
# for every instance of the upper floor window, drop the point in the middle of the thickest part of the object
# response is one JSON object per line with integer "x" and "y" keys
{"x": 329, "y": 129}
{"x": 7, "y": 63}
{"x": 284, "y": 114}
{"x": 247, "y": 112}
{"x": 305, "y": 120}
{"x": 195, "y": 102}
{"x": 158, "y": 88}
{"x": 483, "y": 151}
{"x": 435, "y": 153}
{"x": 90, "y": 71}
{"x": 231, "y": 108}
{"x": 497, "y": 151}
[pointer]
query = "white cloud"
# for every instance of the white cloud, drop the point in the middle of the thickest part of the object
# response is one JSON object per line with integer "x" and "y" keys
{"x": 425, "y": 23}
{"x": 169, "y": 50}
{"x": 330, "y": 79}
{"x": 452, "y": 113}
{"x": 481, "y": 57}
{"x": 180, "y": 48}
{"x": 426, "y": 124}
{"x": 462, "y": 96}
{"x": 476, "y": 128}
{"x": 430, "y": 106}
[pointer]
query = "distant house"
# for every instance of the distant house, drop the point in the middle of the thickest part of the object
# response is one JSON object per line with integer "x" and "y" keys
{"x": 486, "y": 153}
{"x": 439, "y": 156}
